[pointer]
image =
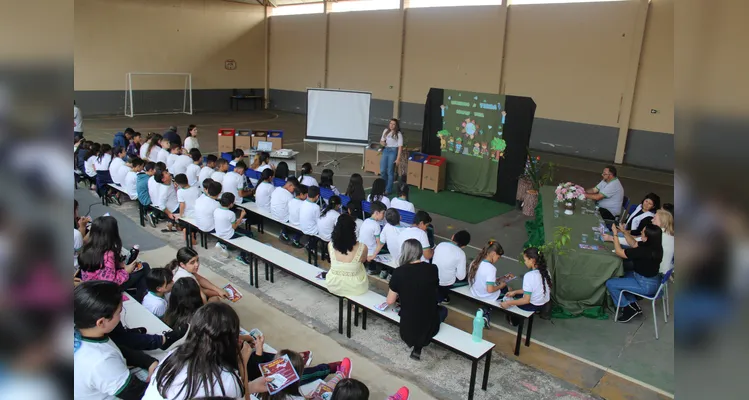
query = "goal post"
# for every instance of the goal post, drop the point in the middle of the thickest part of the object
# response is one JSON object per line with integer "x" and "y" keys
{"x": 158, "y": 93}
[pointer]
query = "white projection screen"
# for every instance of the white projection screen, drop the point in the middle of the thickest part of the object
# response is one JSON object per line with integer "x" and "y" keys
{"x": 338, "y": 116}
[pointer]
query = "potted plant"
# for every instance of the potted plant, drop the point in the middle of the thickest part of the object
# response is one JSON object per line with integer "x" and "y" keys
{"x": 568, "y": 192}
{"x": 535, "y": 175}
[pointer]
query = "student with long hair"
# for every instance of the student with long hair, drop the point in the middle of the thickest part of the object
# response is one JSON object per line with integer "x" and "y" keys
{"x": 355, "y": 189}
{"x": 305, "y": 175}
{"x": 184, "y": 301}
{"x": 186, "y": 265}
{"x": 392, "y": 141}
{"x": 378, "y": 193}
{"x": 211, "y": 361}
{"x": 282, "y": 170}
{"x": 153, "y": 147}
{"x": 117, "y": 168}
{"x": 326, "y": 181}
{"x": 536, "y": 291}
{"x": 103, "y": 176}
{"x": 347, "y": 275}
{"x": 401, "y": 202}
{"x": 264, "y": 190}
{"x": 353, "y": 209}
{"x": 101, "y": 259}
{"x": 415, "y": 284}
{"x": 149, "y": 142}
{"x": 328, "y": 218}
{"x": 482, "y": 276}
{"x": 191, "y": 138}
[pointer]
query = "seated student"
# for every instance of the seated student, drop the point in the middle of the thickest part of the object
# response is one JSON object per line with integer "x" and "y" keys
{"x": 260, "y": 164}
{"x": 100, "y": 258}
{"x": 347, "y": 276}
{"x": 378, "y": 193}
{"x": 401, "y": 202}
{"x": 159, "y": 281}
{"x": 100, "y": 367}
{"x": 295, "y": 205}
{"x": 328, "y": 218}
{"x": 193, "y": 169}
{"x": 305, "y": 175}
{"x": 103, "y": 176}
{"x": 142, "y": 183}
{"x": 122, "y": 139}
{"x": 133, "y": 148}
{"x": 644, "y": 278}
{"x": 309, "y": 213}
{"x": 418, "y": 232}
{"x": 354, "y": 210}
{"x": 235, "y": 183}
{"x": 208, "y": 169}
{"x": 184, "y": 299}
{"x": 180, "y": 164}
{"x": 369, "y": 233}
{"x": 450, "y": 259}
{"x": 187, "y": 196}
{"x": 117, "y": 168}
{"x": 222, "y": 167}
{"x": 204, "y": 207}
{"x": 88, "y": 166}
{"x": 389, "y": 234}
{"x": 186, "y": 265}
{"x": 326, "y": 181}
{"x": 131, "y": 179}
{"x": 174, "y": 153}
{"x": 228, "y": 226}
{"x": 159, "y": 153}
{"x": 238, "y": 156}
{"x": 352, "y": 389}
{"x": 355, "y": 189}
{"x": 264, "y": 190}
{"x": 151, "y": 141}
{"x": 279, "y": 203}
{"x": 642, "y": 215}
{"x": 166, "y": 199}
{"x": 415, "y": 284}
{"x": 153, "y": 189}
{"x": 211, "y": 354}
{"x": 536, "y": 291}
{"x": 282, "y": 171}
{"x": 482, "y": 276}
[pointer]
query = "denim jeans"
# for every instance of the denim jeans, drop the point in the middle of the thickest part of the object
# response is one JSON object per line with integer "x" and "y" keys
{"x": 633, "y": 282}
{"x": 387, "y": 167}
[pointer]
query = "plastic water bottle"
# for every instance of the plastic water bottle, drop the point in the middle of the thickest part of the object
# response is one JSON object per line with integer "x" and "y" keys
{"x": 478, "y": 326}
{"x": 133, "y": 254}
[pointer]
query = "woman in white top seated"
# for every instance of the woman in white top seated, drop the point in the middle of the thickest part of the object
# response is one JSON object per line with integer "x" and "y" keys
{"x": 664, "y": 220}
{"x": 642, "y": 215}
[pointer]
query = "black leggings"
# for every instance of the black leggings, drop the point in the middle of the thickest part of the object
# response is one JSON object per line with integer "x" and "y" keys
{"x": 137, "y": 281}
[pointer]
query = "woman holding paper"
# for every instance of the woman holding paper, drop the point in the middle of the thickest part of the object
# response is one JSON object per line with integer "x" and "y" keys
{"x": 392, "y": 141}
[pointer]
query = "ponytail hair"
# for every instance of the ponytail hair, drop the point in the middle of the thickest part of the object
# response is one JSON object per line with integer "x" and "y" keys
{"x": 306, "y": 170}
{"x": 184, "y": 255}
{"x": 491, "y": 247}
{"x": 154, "y": 140}
{"x": 104, "y": 149}
{"x": 533, "y": 253}
{"x": 333, "y": 202}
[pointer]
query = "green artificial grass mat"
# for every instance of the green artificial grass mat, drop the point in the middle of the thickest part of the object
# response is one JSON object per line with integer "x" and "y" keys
{"x": 463, "y": 207}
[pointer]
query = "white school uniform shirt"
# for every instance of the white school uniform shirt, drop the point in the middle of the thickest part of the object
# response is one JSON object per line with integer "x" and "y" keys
{"x": 533, "y": 285}
{"x": 153, "y": 189}
{"x": 103, "y": 163}
{"x": 413, "y": 232}
{"x": 191, "y": 142}
{"x": 326, "y": 223}
{"x": 118, "y": 170}
{"x": 231, "y": 184}
{"x": 450, "y": 261}
{"x": 232, "y": 389}
{"x": 183, "y": 273}
{"x": 204, "y": 207}
{"x": 131, "y": 184}
{"x": 193, "y": 174}
{"x": 400, "y": 204}
{"x": 262, "y": 195}
{"x": 170, "y": 159}
{"x": 100, "y": 371}
{"x": 390, "y": 141}
{"x": 359, "y": 224}
{"x": 368, "y": 234}
{"x": 155, "y": 304}
{"x": 144, "y": 152}
{"x": 224, "y": 218}
{"x": 384, "y": 200}
{"x": 294, "y": 206}
{"x": 162, "y": 156}
{"x": 218, "y": 176}
{"x": 389, "y": 236}
{"x": 259, "y": 170}
{"x": 279, "y": 204}
{"x": 309, "y": 213}
{"x": 88, "y": 165}
{"x": 308, "y": 180}
{"x": 188, "y": 196}
{"x": 204, "y": 174}
{"x": 180, "y": 164}
{"x": 167, "y": 198}
{"x": 486, "y": 274}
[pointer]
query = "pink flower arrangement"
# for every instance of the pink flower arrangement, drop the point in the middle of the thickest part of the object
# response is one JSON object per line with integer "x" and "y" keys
{"x": 569, "y": 191}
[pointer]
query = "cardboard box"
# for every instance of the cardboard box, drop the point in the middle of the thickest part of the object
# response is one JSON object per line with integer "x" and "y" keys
{"x": 372, "y": 157}
{"x": 433, "y": 175}
{"x": 276, "y": 137}
{"x": 243, "y": 140}
{"x": 258, "y": 136}
{"x": 226, "y": 140}
{"x": 415, "y": 168}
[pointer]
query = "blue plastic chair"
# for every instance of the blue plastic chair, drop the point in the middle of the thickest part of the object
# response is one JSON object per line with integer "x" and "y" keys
{"x": 278, "y": 182}
{"x": 366, "y": 207}
{"x": 227, "y": 156}
{"x": 407, "y": 217}
{"x": 344, "y": 200}
{"x": 326, "y": 193}
{"x": 661, "y": 292}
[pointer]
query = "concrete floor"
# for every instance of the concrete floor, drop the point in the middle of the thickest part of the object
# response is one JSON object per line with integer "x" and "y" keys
{"x": 627, "y": 349}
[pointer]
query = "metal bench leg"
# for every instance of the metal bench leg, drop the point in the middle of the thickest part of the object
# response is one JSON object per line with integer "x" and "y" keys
{"x": 364, "y": 319}
{"x": 272, "y": 269}
{"x": 188, "y": 236}
{"x": 340, "y": 315}
{"x": 486, "y": 370}
{"x": 474, "y": 365}
{"x": 520, "y": 337}
{"x": 252, "y": 280}
{"x": 257, "y": 278}
{"x": 348, "y": 320}
{"x": 356, "y": 315}
{"x": 528, "y": 334}
{"x": 141, "y": 214}
{"x": 266, "y": 271}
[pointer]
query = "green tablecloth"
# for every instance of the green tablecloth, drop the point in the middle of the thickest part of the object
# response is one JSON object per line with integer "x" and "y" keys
{"x": 579, "y": 276}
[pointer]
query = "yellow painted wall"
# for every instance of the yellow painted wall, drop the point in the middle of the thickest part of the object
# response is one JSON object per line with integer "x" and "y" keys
{"x": 113, "y": 37}
{"x": 297, "y": 52}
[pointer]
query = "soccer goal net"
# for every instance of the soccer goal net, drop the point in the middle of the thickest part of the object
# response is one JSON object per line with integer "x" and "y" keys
{"x": 151, "y": 93}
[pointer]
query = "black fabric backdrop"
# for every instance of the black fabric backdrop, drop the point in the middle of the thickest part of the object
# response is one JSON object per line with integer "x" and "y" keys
{"x": 517, "y": 135}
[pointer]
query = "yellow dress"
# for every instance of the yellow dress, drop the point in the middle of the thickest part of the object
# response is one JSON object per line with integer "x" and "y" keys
{"x": 347, "y": 278}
